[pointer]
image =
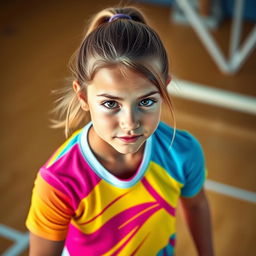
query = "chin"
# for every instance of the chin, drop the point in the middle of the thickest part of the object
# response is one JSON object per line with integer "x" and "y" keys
{"x": 127, "y": 149}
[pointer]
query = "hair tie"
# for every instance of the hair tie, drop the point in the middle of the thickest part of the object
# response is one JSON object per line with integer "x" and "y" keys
{"x": 119, "y": 16}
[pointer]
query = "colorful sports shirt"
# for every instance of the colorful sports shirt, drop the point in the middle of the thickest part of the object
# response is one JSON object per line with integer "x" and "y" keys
{"x": 76, "y": 199}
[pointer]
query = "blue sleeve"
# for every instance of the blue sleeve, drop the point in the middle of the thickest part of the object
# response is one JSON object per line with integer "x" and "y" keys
{"x": 194, "y": 169}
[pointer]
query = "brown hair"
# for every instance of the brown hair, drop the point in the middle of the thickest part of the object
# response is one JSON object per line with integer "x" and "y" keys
{"x": 129, "y": 42}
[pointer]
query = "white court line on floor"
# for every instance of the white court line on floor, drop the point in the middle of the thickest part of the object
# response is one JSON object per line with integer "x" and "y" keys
{"x": 228, "y": 190}
{"x": 21, "y": 240}
{"x": 213, "y": 96}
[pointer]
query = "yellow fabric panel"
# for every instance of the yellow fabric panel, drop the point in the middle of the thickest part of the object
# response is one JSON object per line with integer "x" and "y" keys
{"x": 105, "y": 194}
{"x": 147, "y": 237}
{"x": 166, "y": 186}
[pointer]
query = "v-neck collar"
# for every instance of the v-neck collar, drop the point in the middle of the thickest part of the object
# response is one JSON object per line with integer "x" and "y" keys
{"x": 103, "y": 173}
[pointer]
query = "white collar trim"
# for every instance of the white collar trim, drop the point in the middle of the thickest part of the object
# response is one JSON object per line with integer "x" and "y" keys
{"x": 102, "y": 172}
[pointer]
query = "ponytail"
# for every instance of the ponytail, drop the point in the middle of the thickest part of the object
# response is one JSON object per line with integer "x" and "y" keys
{"x": 114, "y": 36}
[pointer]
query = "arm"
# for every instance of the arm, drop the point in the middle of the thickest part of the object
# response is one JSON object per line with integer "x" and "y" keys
{"x": 197, "y": 214}
{"x": 48, "y": 219}
{"x": 43, "y": 247}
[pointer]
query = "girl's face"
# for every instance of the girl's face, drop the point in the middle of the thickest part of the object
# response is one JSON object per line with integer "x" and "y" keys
{"x": 125, "y": 110}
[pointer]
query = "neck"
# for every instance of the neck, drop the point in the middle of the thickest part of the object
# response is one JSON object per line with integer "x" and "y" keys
{"x": 105, "y": 151}
{"x": 120, "y": 165}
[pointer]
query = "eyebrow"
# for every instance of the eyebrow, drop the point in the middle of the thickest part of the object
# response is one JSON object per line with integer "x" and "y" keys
{"x": 118, "y": 98}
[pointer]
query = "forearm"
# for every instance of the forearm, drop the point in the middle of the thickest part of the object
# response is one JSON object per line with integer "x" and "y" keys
{"x": 42, "y": 247}
{"x": 199, "y": 221}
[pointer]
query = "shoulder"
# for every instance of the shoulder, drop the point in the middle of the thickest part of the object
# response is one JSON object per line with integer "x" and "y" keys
{"x": 68, "y": 171}
{"x": 183, "y": 141}
{"x": 69, "y": 147}
{"x": 177, "y": 157}
{"x": 188, "y": 146}
{"x": 60, "y": 166}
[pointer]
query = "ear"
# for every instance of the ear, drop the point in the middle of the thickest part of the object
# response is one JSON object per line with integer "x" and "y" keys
{"x": 169, "y": 79}
{"x": 81, "y": 95}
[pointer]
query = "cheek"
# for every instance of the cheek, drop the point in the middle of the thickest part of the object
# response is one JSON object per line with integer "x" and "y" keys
{"x": 152, "y": 117}
{"x": 102, "y": 117}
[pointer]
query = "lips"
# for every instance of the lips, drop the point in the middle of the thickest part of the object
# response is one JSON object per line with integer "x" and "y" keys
{"x": 129, "y": 139}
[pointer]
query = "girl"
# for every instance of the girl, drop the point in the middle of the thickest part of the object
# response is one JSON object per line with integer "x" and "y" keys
{"x": 113, "y": 187}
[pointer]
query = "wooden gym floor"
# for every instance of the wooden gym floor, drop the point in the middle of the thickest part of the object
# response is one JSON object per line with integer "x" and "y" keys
{"x": 37, "y": 39}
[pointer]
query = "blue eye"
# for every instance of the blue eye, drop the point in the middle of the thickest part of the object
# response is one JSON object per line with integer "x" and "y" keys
{"x": 147, "y": 102}
{"x": 110, "y": 104}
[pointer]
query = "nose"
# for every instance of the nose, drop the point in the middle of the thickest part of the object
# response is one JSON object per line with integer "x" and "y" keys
{"x": 129, "y": 120}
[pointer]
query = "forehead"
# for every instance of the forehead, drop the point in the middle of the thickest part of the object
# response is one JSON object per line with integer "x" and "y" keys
{"x": 119, "y": 79}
